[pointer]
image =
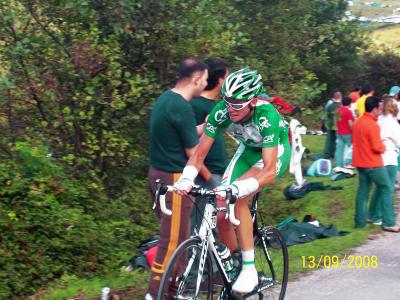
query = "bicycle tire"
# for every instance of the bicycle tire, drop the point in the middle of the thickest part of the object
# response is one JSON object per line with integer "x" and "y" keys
{"x": 272, "y": 262}
{"x": 187, "y": 255}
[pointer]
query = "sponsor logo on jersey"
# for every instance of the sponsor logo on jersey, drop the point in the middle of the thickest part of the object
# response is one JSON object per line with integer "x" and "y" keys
{"x": 221, "y": 115}
{"x": 269, "y": 138}
{"x": 264, "y": 123}
{"x": 211, "y": 128}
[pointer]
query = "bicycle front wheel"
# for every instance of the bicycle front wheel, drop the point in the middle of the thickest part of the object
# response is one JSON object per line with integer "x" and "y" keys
{"x": 184, "y": 277}
{"x": 272, "y": 262}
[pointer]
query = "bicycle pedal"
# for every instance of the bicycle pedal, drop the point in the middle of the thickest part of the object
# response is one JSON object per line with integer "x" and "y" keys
{"x": 264, "y": 282}
{"x": 263, "y": 278}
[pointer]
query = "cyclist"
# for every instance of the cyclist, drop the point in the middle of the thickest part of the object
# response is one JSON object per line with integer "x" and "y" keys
{"x": 263, "y": 154}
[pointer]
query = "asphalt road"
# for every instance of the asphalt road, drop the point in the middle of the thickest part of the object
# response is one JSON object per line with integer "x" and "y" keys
{"x": 346, "y": 283}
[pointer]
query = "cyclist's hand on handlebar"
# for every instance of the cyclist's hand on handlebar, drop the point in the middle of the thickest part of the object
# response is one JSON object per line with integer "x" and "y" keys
{"x": 183, "y": 186}
{"x": 242, "y": 188}
{"x": 220, "y": 191}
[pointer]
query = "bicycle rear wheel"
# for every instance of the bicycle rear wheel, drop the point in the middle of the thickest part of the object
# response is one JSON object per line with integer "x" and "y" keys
{"x": 182, "y": 278}
{"x": 272, "y": 262}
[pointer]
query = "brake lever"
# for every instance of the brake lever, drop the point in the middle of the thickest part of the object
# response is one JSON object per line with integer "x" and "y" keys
{"x": 159, "y": 184}
{"x": 230, "y": 209}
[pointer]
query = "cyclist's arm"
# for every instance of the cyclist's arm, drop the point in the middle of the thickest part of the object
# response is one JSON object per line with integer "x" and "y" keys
{"x": 200, "y": 152}
{"x": 256, "y": 178}
{"x": 214, "y": 122}
{"x": 194, "y": 166}
{"x": 196, "y": 159}
{"x": 267, "y": 175}
{"x": 200, "y": 128}
{"x": 218, "y": 119}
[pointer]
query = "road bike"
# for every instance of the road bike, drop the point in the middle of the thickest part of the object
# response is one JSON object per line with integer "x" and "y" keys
{"x": 196, "y": 269}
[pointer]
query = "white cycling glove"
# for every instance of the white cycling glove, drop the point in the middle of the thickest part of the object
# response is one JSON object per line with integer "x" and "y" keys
{"x": 186, "y": 181}
{"x": 245, "y": 187}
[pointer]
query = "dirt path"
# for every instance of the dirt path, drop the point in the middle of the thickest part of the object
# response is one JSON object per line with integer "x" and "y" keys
{"x": 345, "y": 283}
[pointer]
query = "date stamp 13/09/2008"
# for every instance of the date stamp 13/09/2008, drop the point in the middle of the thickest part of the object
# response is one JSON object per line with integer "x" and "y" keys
{"x": 336, "y": 262}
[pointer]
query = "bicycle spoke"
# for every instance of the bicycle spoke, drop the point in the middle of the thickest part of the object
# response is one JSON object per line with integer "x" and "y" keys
{"x": 182, "y": 278}
{"x": 271, "y": 263}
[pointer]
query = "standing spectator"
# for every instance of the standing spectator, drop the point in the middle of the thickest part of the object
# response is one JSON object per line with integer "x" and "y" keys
{"x": 216, "y": 160}
{"x": 343, "y": 139}
{"x": 395, "y": 93}
{"x": 366, "y": 91}
{"x": 390, "y": 135}
{"x": 330, "y": 123}
{"x": 367, "y": 150}
{"x": 173, "y": 138}
{"x": 355, "y": 94}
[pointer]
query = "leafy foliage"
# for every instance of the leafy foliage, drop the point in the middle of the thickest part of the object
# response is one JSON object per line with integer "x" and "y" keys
{"x": 384, "y": 71}
{"x": 50, "y": 226}
{"x": 77, "y": 81}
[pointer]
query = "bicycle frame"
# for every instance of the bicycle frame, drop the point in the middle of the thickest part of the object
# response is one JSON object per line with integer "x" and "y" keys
{"x": 206, "y": 242}
{"x": 205, "y": 232}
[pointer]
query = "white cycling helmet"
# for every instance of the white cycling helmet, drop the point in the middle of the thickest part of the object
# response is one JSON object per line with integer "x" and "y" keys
{"x": 244, "y": 84}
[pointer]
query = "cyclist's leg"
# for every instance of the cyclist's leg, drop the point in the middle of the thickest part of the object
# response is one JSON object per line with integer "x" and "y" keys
{"x": 242, "y": 210}
{"x": 235, "y": 169}
{"x": 252, "y": 165}
{"x": 173, "y": 229}
{"x": 244, "y": 231}
{"x": 248, "y": 278}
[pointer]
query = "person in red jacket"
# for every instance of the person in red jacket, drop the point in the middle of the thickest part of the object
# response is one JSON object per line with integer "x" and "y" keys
{"x": 345, "y": 120}
{"x": 367, "y": 150}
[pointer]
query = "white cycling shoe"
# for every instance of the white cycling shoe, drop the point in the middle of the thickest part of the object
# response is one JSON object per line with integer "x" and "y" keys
{"x": 247, "y": 280}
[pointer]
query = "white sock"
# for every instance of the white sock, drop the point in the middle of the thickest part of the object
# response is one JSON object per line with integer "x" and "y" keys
{"x": 148, "y": 297}
{"x": 248, "y": 259}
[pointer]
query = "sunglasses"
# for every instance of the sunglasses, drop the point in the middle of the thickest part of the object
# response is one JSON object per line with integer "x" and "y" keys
{"x": 236, "y": 106}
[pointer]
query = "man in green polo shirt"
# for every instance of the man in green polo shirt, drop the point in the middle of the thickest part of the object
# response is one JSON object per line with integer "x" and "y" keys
{"x": 216, "y": 160}
{"x": 173, "y": 138}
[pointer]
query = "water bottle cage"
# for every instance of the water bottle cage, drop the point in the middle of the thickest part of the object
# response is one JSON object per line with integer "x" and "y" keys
{"x": 213, "y": 221}
{"x": 227, "y": 264}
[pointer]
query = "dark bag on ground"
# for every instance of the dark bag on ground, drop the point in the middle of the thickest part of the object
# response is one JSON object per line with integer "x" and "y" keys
{"x": 295, "y": 191}
{"x": 303, "y": 232}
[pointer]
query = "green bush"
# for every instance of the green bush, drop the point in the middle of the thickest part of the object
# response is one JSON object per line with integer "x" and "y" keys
{"x": 44, "y": 230}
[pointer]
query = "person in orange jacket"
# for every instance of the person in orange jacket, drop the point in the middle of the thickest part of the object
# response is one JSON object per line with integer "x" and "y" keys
{"x": 367, "y": 157}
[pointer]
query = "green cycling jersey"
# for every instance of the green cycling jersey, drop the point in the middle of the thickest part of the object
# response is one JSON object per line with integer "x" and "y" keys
{"x": 266, "y": 128}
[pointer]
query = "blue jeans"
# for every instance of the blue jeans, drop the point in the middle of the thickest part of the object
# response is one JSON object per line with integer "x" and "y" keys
{"x": 342, "y": 140}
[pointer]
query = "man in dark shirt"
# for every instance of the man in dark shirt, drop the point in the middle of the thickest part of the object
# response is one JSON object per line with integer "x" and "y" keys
{"x": 173, "y": 138}
{"x": 216, "y": 160}
{"x": 330, "y": 124}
